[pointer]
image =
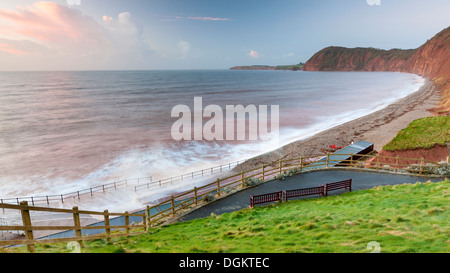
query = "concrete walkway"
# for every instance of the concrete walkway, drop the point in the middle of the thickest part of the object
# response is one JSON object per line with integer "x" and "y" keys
{"x": 361, "y": 180}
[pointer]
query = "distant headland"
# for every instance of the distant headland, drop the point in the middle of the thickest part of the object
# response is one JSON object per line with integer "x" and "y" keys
{"x": 294, "y": 67}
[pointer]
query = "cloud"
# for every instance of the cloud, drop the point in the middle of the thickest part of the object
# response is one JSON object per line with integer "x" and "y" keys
{"x": 49, "y": 24}
{"x": 67, "y": 37}
{"x": 185, "y": 47}
{"x": 127, "y": 36}
{"x": 21, "y": 47}
{"x": 254, "y": 54}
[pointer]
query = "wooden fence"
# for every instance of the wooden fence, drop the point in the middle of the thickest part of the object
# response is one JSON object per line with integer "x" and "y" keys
{"x": 304, "y": 192}
{"x": 186, "y": 201}
{"x": 28, "y": 227}
{"x": 266, "y": 198}
{"x": 142, "y": 183}
{"x": 284, "y": 195}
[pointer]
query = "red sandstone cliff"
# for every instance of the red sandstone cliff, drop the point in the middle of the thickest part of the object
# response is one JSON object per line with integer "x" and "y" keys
{"x": 431, "y": 60}
{"x": 358, "y": 59}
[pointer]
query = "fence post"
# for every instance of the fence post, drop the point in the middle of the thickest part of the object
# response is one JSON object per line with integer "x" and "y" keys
{"x": 144, "y": 221}
{"x": 301, "y": 164}
{"x": 26, "y": 219}
{"x": 351, "y": 160}
{"x": 218, "y": 187}
{"x": 421, "y": 165}
{"x": 378, "y": 162}
{"x": 107, "y": 226}
{"x": 263, "y": 172}
{"x": 172, "y": 201}
{"x": 127, "y": 223}
{"x": 243, "y": 178}
{"x": 77, "y": 224}
{"x": 328, "y": 159}
{"x": 148, "y": 216}
{"x": 280, "y": 166}
{"x": 396, "y": 164}
{"x": 195, "y": 196}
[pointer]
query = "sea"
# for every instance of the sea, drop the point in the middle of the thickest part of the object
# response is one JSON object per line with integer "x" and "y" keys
{"x": 66, "y": 131}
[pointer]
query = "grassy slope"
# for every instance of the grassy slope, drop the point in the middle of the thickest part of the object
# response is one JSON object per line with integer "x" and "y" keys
{"x": 402, "y": 218}
{"x": 423, "y": 133}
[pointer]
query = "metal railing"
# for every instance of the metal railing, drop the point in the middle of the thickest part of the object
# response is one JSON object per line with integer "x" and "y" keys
{"x": 60, "y": 198}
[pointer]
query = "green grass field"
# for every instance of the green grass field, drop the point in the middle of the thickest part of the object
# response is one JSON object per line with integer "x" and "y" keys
{"x": 423, "y": 133}
{"x": 402, "y": 218}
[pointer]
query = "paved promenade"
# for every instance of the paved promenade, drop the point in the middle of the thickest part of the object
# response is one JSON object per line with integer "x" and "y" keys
{"x": 361, "y": 180}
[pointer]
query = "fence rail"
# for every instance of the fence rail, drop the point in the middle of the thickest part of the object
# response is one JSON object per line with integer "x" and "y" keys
{"x": 141, "y": 185}
{"x": 28, "y": 228}
{"x": 186, "y": 201}
{"x": 278, "y": 169}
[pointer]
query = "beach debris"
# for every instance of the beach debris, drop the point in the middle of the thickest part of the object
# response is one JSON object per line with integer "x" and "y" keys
{"x": 334, "y": 147}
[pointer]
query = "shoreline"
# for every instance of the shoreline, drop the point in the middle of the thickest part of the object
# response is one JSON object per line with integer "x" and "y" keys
{"x": 379, "y": 127}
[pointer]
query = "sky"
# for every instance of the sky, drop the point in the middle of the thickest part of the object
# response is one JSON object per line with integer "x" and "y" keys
{"x": 203, "y": 34}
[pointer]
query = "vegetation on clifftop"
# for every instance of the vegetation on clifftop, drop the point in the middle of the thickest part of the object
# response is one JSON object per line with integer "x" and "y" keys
{"x": 293, "y": 67}
{"x": 423, "y": 133}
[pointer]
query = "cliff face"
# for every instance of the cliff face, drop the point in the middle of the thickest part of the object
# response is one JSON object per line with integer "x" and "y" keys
{"x": 358, "y": 59}
{"x": 431, "y": 60}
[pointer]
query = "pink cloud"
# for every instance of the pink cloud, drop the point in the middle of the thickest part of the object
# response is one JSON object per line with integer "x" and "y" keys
{"x": 12, "y": 50}
{"x": 254, "y": 54}
{"x": 53, "y": 36}
{"x": 52, "y": 24}
{"x": 21, "y": 48}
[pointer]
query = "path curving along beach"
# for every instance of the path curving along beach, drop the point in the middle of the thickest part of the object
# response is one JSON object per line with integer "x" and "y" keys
{"x": 361, "y": 180}
{"x": 379, "y": 128}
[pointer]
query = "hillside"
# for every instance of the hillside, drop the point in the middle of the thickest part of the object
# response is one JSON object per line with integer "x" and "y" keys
{"x": 358, "y": 59}
{"x": 401, "y": 218}
{"x": 431, "y": 60}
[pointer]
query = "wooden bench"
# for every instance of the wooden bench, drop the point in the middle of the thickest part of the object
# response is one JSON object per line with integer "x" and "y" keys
{"x": 266, "y": 198}
{"x": 304, "y": 192}
{"x": 345, "y": 184}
